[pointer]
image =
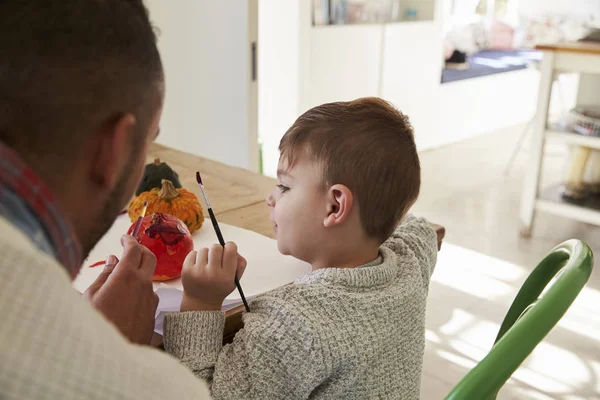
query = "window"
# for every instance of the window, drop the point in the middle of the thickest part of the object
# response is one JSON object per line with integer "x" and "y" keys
{"x": 492, "y": 8}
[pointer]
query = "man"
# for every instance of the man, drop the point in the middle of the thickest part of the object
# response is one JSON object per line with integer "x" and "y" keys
{"x": 81, "y": 93}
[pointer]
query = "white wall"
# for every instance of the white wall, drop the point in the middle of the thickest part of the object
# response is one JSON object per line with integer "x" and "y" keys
{"x": 283, "y": 65}
{"x": 205, "y": 51}
{"x": 278, "y": 71}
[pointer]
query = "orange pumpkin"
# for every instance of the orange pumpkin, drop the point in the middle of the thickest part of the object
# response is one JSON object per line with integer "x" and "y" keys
{"x": 169, "y": 200}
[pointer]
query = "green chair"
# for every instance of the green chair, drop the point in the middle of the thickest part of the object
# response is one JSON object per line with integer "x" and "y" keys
{"x": 530, "y": 317}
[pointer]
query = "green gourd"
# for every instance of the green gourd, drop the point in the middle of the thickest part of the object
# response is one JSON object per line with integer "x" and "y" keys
{"x": 154, "y": 173}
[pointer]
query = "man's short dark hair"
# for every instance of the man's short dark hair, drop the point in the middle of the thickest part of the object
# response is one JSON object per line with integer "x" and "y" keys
{"x": 70, "y": 67}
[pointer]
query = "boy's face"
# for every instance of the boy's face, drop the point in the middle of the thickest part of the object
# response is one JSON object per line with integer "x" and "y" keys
{"x": 298, "y": 208}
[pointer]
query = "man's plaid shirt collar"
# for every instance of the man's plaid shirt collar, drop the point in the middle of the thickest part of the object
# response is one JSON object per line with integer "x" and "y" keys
{"x": 30, "y": 206}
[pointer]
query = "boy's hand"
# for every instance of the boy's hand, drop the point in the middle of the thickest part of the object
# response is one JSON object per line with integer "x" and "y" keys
{"x": 208, "y": 277}
{"x": 440, "y": 231}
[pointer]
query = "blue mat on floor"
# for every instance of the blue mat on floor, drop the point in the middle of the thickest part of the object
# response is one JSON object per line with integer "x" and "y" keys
{"x": 490, "y": 62}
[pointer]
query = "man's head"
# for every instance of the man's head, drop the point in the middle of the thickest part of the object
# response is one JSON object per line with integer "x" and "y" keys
{"x": 81, "y": 90}
{"x": 345, "y": 165}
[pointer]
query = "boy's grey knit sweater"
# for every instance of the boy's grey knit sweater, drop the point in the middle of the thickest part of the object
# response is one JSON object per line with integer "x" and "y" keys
{"x": 335, "y": 333}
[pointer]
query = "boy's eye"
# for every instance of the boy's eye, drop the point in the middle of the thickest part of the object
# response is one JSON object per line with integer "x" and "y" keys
{"x": 283, "y": 188}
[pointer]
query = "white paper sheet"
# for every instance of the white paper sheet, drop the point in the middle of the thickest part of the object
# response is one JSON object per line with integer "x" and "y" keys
{"x": 267, "y": 269}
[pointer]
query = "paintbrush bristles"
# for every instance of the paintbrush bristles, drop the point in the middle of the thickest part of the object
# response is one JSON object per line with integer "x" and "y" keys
{"x": 199, "y": 180}
{"x": 138, "y": 223}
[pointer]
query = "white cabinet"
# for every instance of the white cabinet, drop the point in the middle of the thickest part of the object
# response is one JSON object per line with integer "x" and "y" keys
{"x": 211, "y": 92}
{"x": 400, "y": 62}
{"x": 411, "y": 70}
{"x": 344, "y": 62}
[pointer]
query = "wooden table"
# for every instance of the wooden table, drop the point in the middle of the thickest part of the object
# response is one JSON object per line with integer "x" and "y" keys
{"x": 238, "y": 198}
{"x": 592, "y": 48}
{"x": 237, "y": 195}
{"x": 582, "y": 57}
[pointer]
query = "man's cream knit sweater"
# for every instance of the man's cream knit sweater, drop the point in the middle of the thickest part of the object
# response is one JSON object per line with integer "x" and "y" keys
{"x": 352, "y": 334}
{"x": 53, "y": 345}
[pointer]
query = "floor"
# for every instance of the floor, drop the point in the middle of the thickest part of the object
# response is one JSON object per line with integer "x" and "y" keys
{"x": 483, "y": 263}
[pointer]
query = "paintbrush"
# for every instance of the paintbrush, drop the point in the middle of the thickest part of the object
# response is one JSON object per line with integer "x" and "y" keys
{"x": 219, "y": 235}
{"x": 134, "y": 234}
{"x": 138, "y": 224}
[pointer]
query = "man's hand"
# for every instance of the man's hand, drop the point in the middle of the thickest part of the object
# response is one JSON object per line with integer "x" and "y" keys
{"x": 123, "y": 292}
{"x": 208, "y": 277}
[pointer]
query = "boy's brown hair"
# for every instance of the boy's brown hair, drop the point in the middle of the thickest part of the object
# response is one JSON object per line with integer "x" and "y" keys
{"x": 367, "y": 145}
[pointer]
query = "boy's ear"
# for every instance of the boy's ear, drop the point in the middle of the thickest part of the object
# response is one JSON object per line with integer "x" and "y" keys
{"x": 339, "y": 205}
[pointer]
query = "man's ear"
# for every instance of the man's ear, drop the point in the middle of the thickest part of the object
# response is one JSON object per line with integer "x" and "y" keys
{"x": 110, "y": 150}
{"x": 339, "y": 205}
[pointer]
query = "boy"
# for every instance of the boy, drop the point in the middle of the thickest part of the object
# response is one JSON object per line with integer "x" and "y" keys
{"x": 354, "y": 327}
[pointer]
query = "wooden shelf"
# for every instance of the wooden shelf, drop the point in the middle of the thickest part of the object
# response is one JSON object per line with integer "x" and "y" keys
{"x": 572, "y": 47}
{"x": 569, "y": 57}
{"x": 551, "y": 201}
{"x": 574, "y": 138}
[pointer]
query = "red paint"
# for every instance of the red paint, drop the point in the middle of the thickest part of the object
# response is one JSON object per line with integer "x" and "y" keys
{"x": 97, "y": 264}
{"x": 169, "y": 239}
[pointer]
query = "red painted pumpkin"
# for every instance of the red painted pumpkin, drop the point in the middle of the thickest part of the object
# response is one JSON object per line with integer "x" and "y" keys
{"x": 169, "y": 239}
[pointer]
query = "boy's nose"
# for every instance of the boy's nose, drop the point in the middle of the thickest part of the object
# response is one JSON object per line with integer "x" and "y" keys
{"x": 270, "y": 201}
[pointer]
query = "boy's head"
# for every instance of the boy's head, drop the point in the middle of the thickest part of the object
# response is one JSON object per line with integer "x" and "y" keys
{"x": 343, "y": 162}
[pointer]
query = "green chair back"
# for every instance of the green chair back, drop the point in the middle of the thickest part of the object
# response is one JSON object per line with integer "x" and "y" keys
{"x": 538, "y": 307}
